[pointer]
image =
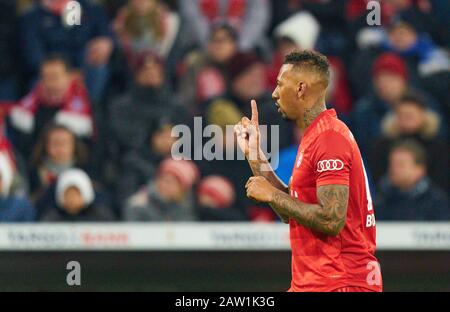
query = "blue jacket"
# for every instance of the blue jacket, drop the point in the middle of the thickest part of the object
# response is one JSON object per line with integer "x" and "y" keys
{"x": 15, "y": 209}
{"x": 43, "y": 32}
{"x": 424, "y": 202}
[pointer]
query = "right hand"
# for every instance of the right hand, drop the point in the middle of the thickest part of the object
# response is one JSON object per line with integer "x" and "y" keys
{"x": 248, "y": 135}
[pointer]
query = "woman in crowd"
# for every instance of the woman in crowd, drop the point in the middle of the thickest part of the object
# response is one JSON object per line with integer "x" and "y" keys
{"x": 146, "y": 25}
{"x": 57, "y": 150}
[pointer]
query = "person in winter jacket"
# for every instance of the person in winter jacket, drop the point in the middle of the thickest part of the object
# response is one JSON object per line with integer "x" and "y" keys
{"x": 406, "y": 193}
{"x": 75, "y": 200}
{"x": 134, "y": 115}
{"x": 250, "y": 17}
{"x": 44, "y": 30}
{"x": 58, "y": 97}
{"x": 167, "y": 197}
{"x": 412, "y": 119}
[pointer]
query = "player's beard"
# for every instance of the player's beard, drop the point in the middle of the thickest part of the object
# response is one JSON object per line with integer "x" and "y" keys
{"x": 281, "y": 112}
{"x": 283, "y": 115}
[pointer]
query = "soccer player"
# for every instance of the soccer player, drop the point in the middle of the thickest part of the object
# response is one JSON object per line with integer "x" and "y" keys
{"x": 327, "y": 203}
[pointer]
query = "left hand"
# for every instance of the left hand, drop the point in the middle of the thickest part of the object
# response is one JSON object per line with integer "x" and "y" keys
{"x": 259, "y": 189}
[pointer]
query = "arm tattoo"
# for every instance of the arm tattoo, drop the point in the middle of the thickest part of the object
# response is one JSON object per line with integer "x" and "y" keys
{"x": 268, "y": 174}
{"x": 274, "y": 180}
{"x": 327, "y": 217}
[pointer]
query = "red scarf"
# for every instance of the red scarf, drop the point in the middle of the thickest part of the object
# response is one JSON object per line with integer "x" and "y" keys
{"x": 75, "y": 100}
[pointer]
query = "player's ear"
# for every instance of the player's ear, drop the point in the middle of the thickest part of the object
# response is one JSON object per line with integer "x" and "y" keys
{"x": 301, "y": 89}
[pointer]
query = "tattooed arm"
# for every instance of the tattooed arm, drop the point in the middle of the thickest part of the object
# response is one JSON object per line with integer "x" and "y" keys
{"x": 270, "y": 176}
{"x": 268, "y": 173}
{"x": 327, "y": 217}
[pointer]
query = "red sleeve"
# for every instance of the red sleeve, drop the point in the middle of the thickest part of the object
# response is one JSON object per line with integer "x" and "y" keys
{"x": 332, "y": 158}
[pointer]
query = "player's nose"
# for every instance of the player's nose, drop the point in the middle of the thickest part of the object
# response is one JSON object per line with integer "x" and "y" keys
{"x": 275, "y": 96}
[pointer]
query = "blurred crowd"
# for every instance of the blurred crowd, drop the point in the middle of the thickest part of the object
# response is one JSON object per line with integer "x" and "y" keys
{"x": 87, "y": 110}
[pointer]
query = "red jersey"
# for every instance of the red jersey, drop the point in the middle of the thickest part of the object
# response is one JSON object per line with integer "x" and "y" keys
{"x": 329, "y": 154}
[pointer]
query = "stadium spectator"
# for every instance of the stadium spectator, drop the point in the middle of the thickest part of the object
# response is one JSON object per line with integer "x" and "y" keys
{"x": 12, "y": 207}
{"x": 134, "y": 115}
{"x": 216, "y": 199}
{"x": 250, "y": 17}
{"x": 206, "y": 72}
{"x": 87, "y": 46}
{"x": 410, "y": 118}
{"x": 75, "y": 200}
{"x": 139, "y": 166}
{"x": 143, "y": 25}
{"x": 407, "y": 193}
{"x": 167, "y": 197}
{"x": 404, "y": 40}
{"x": 429, "y": 62}
{"x": 330, "y": 14}
{"x": 423, "y": 15}
{"x": 390, "y": 82}
{"x": 57, "y": 150}
{"x": 58, "y": 97}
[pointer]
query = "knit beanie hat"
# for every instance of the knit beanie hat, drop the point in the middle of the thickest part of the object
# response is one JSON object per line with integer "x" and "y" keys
{"x": 184, "y": 171}
{"x": 75, "y": 178}
{"x": 390, "y": 62}
{"x": 219, "y": 189}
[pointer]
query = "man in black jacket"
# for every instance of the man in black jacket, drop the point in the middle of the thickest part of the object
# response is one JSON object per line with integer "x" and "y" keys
{"x": 406, "y": 193}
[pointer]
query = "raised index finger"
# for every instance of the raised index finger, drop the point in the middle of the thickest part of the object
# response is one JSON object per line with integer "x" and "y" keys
{"x": 254, "y": 112}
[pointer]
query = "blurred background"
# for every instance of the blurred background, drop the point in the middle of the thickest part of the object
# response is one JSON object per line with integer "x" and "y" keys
{"x": 86, "y": 113}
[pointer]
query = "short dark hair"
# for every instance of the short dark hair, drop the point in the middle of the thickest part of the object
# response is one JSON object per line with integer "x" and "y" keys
{"x": 312, "y": 60}
{"x": 413, "y": 147}
{"x": 413, "y": 97}
{"x": 57, "y": 58}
